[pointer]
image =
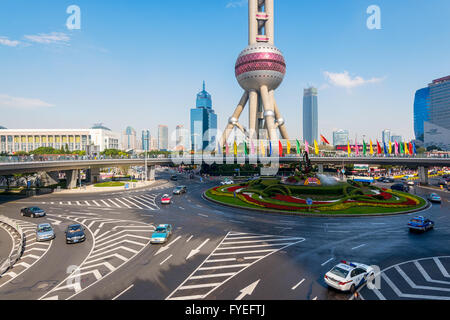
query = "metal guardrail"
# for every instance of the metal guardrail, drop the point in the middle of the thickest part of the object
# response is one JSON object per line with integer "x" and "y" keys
{"x": 17, "y": 253}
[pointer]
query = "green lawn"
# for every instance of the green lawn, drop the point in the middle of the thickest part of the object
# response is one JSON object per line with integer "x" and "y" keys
{"x": 110, "y": 184}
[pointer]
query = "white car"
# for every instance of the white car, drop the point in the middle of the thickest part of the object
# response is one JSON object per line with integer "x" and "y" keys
{"x": 348, "y": 276}
{"x": 227, "y": 182}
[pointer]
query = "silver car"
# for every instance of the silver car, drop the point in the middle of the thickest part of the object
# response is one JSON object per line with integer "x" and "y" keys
{"x": 44, "y": 232}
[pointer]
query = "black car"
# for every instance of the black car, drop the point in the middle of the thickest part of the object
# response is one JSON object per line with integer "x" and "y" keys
{"x": 389, "y": 180}
{"x": 400, "y": 187}
{"x": 381, "y": 179}
{"x": 33, "y": 212}
{"x": 174, "y": 178}
{"x": 75, "y": 234}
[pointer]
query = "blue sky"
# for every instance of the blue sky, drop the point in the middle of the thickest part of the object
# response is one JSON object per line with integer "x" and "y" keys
{"x": 141, "y": 63}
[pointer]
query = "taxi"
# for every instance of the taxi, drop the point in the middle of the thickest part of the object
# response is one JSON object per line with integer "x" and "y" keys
{"x": 161, "y": 234}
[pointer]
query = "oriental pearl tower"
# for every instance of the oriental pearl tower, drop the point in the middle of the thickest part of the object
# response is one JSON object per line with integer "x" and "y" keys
{"x": 260, "y": 69}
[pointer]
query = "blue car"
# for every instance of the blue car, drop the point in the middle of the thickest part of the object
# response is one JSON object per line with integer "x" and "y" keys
{"x": 161, "y": 234}
{"x": 44, "y": 232}
{"x": 434, "y": 197}
{"x": 420, "y": 224}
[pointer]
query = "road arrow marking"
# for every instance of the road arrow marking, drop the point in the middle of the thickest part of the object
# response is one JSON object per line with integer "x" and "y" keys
{"x": 195, "y": 251}
{"x": 248, "y": 291}
{"x": 55, "y": 222}
{"x": 167, "y": 247}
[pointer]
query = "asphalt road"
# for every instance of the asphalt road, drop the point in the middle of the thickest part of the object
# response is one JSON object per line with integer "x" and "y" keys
{"x": 216, "y": 252}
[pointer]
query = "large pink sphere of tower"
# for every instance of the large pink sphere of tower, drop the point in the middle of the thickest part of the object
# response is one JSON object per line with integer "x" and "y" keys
{"x": 260, "y": 64}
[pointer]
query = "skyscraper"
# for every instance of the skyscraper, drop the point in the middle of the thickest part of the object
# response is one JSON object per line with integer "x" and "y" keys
{"x": 340, "y": 137}
{"x": 129, "y": 139}
{"x": 181, "y": 138}
{"x": 310, "y": 115}
{"x": 386, "y": 136}
{"x": 163, "y": 138}
{"x": 203, "y": 123}
{"x": 432, "y": 114}
{"x": 145, "y": 140}
{"x": 421, "y": 112}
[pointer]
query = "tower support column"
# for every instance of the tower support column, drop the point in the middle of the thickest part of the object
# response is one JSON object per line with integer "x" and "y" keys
{"x": 423, "y": 175}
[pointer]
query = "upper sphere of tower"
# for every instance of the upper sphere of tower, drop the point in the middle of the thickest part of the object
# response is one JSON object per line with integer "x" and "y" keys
{"x": 260, "y": 64}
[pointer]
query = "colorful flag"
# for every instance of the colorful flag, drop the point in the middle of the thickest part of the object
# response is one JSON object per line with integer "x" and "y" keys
{"x": 323, "y": 139}
{"x": 306, "y": 147}
{"x": 396, "y": 148}
{"x": 299, "y": 150}
{"x": 414, "y": 148}
{"x": 316, "y": 147}
{"x": 288, "y": 147}
{"x": 262, "y": 149}
{"x": 406, "y": 148}
{"x": 245, "y": 148}
{"x": 356, "y": 148}
{"x": 385, "y": 148}
{"x": 235, "y": 148}
{"x": 411, "y": 149}
{"x": 379, "y": 148}
{"x": 270, "y": 148}
{"x": 402, "y": 151}
{"x": 280, "y": 148}
{"x": 227, "y": 148}
{"x": 349, "y": 150}
{"x": 390, "y": 147}
{"x": 371, "y": 148}
{"x": 364, "y": 148}
{"x": 252, "y": 146}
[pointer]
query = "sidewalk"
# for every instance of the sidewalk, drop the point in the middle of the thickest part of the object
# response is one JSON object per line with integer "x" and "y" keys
{"x": 92, "y": 189}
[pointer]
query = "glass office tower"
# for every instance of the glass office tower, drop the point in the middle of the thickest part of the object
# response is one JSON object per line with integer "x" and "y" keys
{"x": 310, "y": 115}
{"x": 432, "y": 114}
{"x": 421, "y": 112}
{"x": 340, "y": 138}
{"x": 203, "y": 123}
{"x": 163, "y": 138}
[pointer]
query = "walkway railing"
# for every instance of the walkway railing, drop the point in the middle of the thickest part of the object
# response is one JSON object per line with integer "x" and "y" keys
{"x": 16, "y": 252}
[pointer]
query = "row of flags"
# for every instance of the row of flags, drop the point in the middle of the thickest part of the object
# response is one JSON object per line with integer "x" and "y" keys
{"x": 392, "y": 148}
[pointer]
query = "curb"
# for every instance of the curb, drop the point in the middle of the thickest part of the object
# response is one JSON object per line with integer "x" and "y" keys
{"x": 301, "y": 214}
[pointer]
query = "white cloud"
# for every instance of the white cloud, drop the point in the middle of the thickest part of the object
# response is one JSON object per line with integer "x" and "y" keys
{"x": 22, "y": 103}
{"x": 47, "y": 38}
{"x": 237, "y": 4}
{"x": 346, "y": 81}
{"x": 10, "y": 43}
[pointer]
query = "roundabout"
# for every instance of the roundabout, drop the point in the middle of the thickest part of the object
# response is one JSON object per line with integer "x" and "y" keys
{"x": 299, "y": 196}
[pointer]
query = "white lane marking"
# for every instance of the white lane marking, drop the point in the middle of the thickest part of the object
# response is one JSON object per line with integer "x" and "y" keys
{"x": 414, "y": 286}
{"x": 242, "y": 252}
{"x": 441, "y": 267}
{"x": 134, "y": 204}
{"x": 162, "y": 249}
{"x": 166, "y": 259}
{"x": 118, "y": 200}
{"x": 199, "y": 286}
{"x": 248, "y": 291}
{"x": 226, "y": 266}
{"x": 414, "y": 296}
{"x": 182, "y": 208}
{"x": 197, "y": 250}
{"x": 114, "y": 203}
{"x": 88, "y": 204}
{"x": 426, "y": 275}
{"x": 215, "y": 275}
{"x": 363, "y": 245}
{"x": 296, "y": 286}
{"x": 106, "y": 204}
{"x": 123, "y": 292}
{"x": 326, "y": 262}
{"x": 203, "y": 215}
{"x": 189, "y": 239}
{"x": 315, "y": 298}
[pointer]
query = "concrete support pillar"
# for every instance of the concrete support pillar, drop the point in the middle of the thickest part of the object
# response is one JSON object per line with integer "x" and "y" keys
{"x": 48, "y": 178}
{"x": 423, "y": 175}
{"x": 151, "y": 173}
{"x": 94, "y": 175}
{"x": 320, "y": 166}
{"x": 71, "y": 178}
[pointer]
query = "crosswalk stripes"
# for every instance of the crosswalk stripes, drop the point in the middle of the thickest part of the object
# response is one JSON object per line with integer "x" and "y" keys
{"x": 237, "y": 252}
{"x": 142, "y": 202}
{"x": 421, "y": 279}
{"x": 33, "y": 251}
{"x": 116, "y": 242}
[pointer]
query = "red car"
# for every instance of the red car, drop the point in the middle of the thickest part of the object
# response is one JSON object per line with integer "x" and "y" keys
{"x": 166, "y": 199}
